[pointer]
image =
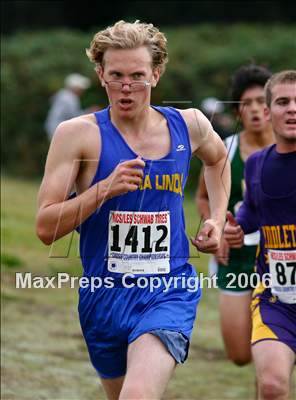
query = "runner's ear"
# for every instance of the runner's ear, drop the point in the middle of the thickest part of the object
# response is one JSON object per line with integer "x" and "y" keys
{"x": 155, "y": 77}
{"x": 100, "y": 72}
{"x": 267, "y": 113}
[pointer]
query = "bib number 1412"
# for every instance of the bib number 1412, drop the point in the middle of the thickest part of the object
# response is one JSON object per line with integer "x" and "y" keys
{"x": 131, "y": 239}
{"x": 139, "y": 242}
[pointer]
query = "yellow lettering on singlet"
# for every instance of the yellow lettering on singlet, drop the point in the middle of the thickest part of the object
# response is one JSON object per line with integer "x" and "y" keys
{"x": 168, "y": 182}
{"x": 286, "y": 239}
{"x": 178, "y": 184}
{"x": 279, "y": 236}
{"x": 266, "y": 236}
{"x": 147, "y": 183}
{"x": 280, "y": 243}
{"x": 275, "y": 238}
{"x": 172, "y": 183}
{"x": 292, "y": 230}
{"x": 158, "y": 186}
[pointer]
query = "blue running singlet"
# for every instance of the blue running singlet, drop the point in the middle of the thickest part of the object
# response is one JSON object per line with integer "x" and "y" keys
{"x": 141, "y": 234}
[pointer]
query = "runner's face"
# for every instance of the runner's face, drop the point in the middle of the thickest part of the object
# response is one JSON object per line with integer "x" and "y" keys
{"x": 283, "y": 110}
{"x": 128, "y": 65}
{"x": 252, "y": 110}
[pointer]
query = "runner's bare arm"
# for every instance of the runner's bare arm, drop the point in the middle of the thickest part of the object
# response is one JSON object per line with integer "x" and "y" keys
{"x": 207, "y": 145}
{"x": 57, "y": 215}
{"x": 202, "y": 202}
{"x": 202, "y": 198}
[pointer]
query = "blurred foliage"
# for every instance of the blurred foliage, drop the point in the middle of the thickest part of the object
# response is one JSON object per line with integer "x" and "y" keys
{"x": 10, "y": 260}
{"x": 34, "y": 66}
{"x": 202, "y": 59}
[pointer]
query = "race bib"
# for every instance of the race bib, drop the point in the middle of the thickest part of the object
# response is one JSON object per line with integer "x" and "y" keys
{"x": 282, "y": 265}
{"x": 139, "y": 242}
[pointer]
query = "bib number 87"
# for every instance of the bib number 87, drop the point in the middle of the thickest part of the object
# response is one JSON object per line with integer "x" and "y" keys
{"x": 281, "y": 275}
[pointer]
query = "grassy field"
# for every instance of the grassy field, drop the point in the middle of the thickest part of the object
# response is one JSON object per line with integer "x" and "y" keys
{"x": 43, "y": 353}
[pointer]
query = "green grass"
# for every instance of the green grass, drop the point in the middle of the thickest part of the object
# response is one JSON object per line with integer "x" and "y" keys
{"x": 43, "y": 353}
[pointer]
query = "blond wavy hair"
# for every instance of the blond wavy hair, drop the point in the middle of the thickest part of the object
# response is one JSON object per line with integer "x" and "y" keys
{"x": 126, "y": 35}
{"x": 288, "y": 76}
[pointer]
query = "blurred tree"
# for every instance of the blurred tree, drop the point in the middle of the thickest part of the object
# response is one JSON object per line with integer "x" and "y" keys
{"x": 202, "y": 60}
{"x": 21, "y": 15}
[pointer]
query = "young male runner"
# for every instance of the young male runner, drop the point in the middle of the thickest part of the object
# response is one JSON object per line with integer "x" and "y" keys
{"x": 236, "y": 265}
{"x": 270, "y": 204}
{"x": 129, "y": 163}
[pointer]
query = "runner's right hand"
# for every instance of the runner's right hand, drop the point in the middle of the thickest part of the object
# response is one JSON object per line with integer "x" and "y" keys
{"x": 126, "y": 177}
{"x": 222, "y": 255}
{"x": 208, "y": 238}
{"x": 233, "y": 232}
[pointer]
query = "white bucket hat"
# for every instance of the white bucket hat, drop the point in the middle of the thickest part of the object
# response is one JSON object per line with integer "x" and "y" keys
{"x": 211, "y": 105}
{"x": 73, "y": 81}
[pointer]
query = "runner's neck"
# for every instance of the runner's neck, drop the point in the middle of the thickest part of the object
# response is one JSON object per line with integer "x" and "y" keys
{"x": 138, "y": 126}
{"x": 258, "y": 140}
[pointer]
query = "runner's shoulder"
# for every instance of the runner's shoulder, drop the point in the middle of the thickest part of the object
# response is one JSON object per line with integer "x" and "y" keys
{"x": 77, "y": 127}
{"x": 256, "y": 156}
{"x": 252, "y": 162}
{"x": 191, "y": 115}
{"x": 78, "y": 137}
{"x": 197, "y": 123}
